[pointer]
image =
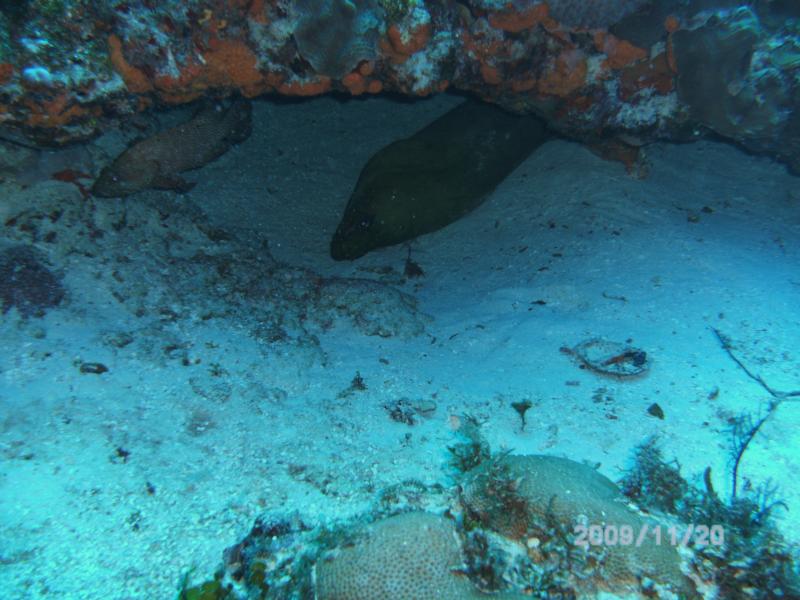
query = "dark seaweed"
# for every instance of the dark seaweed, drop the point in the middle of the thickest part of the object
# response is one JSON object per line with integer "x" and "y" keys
{"x": 472, "y": 450}
{"x": 26, "y": 283}
{"x": 755, "y": 562}
{"x": 654, "y": 482}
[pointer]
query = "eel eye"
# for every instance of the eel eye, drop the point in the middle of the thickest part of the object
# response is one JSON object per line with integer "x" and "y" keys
{"x": 355, "y": 226}
{"x": 362, "y": 225}
{"x": 366, "y": 222}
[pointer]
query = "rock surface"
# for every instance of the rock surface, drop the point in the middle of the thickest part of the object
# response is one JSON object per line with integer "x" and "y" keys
{"x": 653, "y": 70}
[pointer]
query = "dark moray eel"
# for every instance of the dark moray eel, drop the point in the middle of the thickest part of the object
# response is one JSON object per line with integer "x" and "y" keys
{"x": 435, "y": 177}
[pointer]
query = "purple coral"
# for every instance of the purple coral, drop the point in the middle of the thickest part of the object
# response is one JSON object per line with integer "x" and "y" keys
{"x": 25, "y": 282}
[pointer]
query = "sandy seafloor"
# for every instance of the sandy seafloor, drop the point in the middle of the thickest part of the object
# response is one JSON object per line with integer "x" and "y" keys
{"x": 223, "y": 397}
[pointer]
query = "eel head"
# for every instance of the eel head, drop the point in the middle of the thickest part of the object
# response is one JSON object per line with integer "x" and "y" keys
{"x": 354, "y": 237}
{"x": 124, "y": 177}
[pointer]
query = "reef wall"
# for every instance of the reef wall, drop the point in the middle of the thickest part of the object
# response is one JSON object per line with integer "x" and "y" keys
{"x": 649, "y": 70}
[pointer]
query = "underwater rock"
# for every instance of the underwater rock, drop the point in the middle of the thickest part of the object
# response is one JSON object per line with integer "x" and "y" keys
{"x": 776, "y": 13}
{"x": 736, "y": 81}
{"x": 586, "y": 66}
{"x": 157, "y": 161}
{"x": 645, "y": 27}
{"x": 423, "y": 183}
{"x": 594, "y": 14}
{"x": 710, "y": 61}
{"x": 26, "y": 283}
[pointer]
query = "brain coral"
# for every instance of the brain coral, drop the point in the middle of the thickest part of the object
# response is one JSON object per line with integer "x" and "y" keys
{"x": 406, "y": 557}
{"x": 519, "y": 496}
{"x": 335, "y": 35}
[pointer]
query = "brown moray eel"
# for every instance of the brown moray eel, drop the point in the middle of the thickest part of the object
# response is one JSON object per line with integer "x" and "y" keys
{"x": 435, "y": 177}
{"x": 156, "y": 162}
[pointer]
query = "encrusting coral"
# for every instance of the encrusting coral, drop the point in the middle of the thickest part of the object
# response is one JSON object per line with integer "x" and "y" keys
{"x": 335, "y": 35}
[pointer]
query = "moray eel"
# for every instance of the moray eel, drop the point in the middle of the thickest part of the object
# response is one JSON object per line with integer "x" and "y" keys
{"x": 435, "y": 177}
{"x": 156, "y": 162}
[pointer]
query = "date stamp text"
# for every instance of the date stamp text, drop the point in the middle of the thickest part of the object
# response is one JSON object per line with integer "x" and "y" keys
{"x": 626, "y": 535}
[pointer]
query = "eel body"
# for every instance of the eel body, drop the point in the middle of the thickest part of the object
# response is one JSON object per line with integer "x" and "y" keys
{"x": 157, "y": 161}
{"x": 423, "y": 183}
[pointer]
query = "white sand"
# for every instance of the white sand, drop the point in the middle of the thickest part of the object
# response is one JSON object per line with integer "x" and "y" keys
{"x": 247, "y": 425}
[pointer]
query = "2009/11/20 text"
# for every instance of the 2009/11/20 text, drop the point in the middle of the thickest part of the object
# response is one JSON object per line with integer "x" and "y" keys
{"x": 624, "y": 535}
